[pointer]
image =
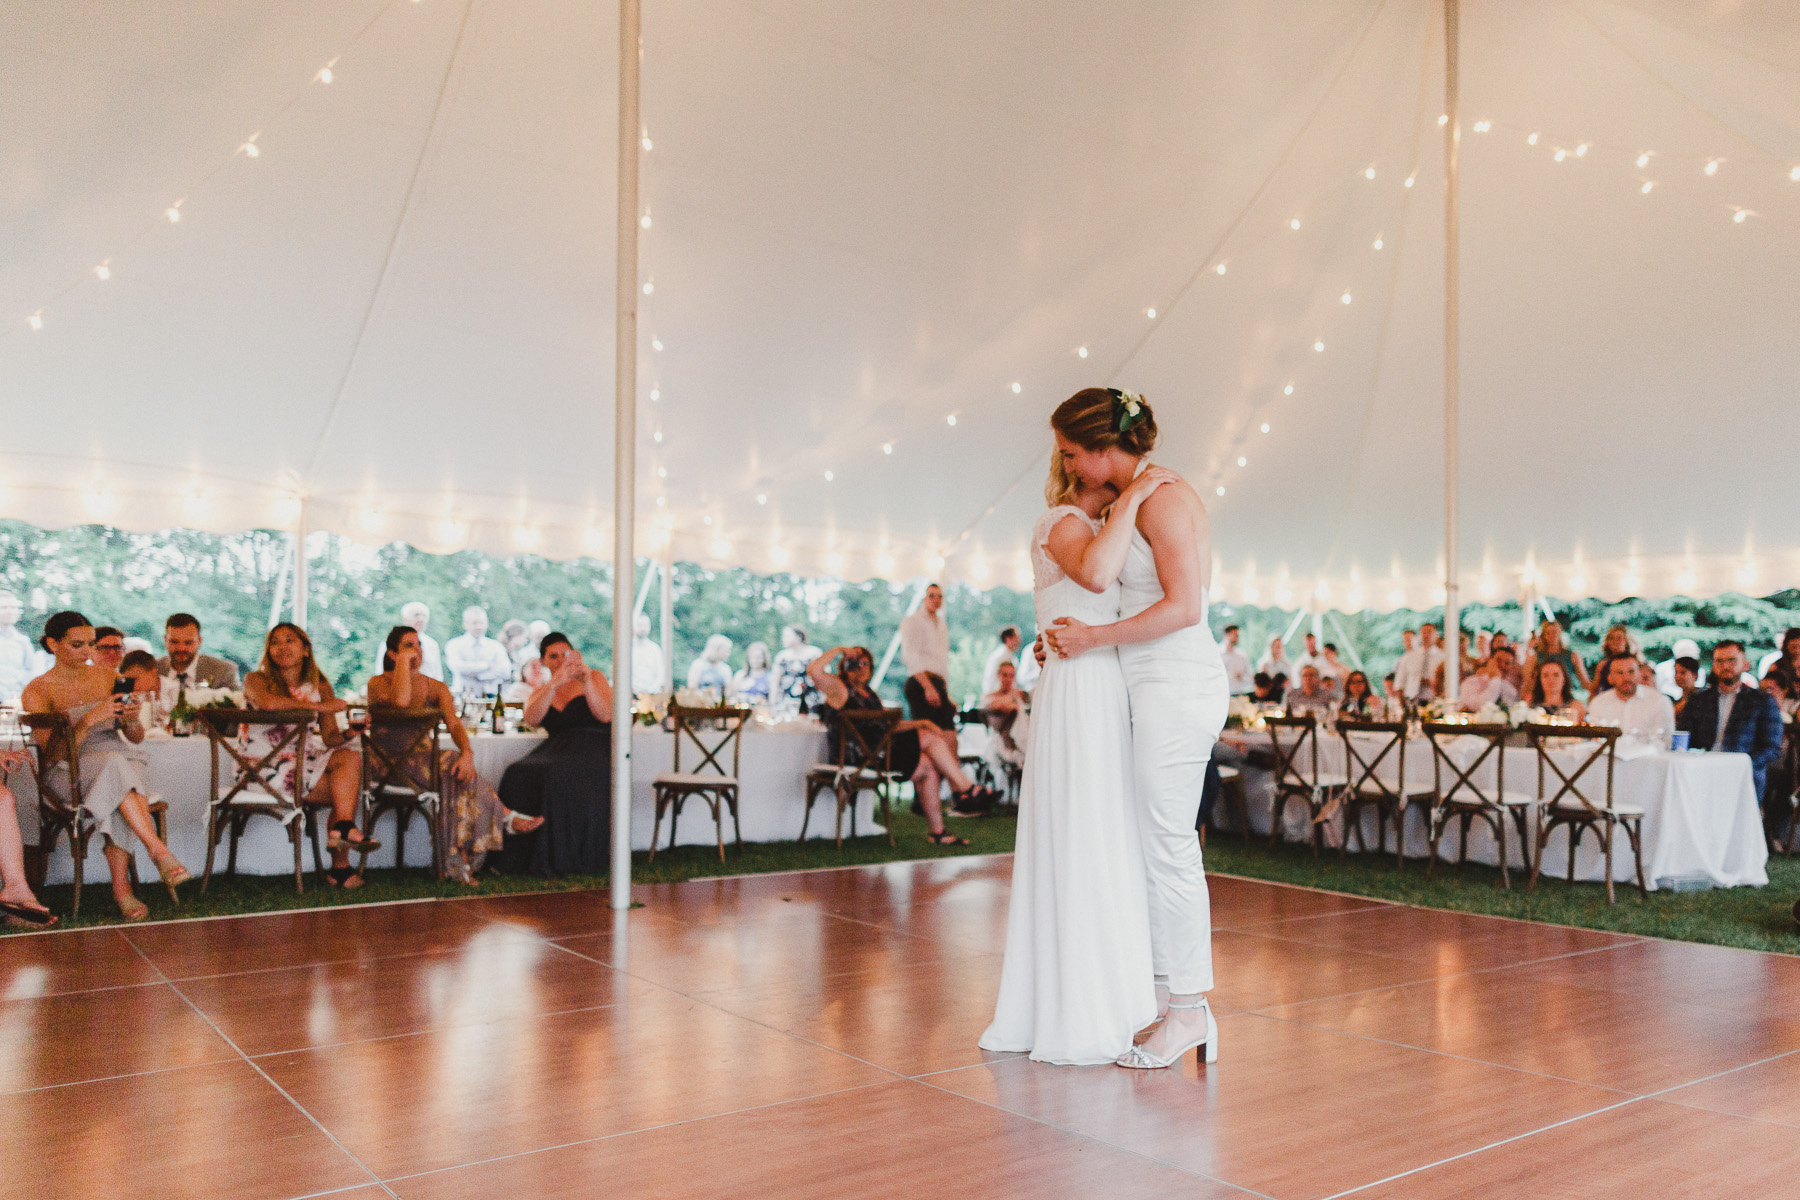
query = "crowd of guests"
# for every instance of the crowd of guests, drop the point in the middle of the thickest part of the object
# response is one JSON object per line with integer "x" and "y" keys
{"x": 549, "y": 813}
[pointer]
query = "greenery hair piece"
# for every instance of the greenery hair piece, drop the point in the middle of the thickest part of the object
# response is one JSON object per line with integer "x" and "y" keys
{"x": 1128, "y": 409}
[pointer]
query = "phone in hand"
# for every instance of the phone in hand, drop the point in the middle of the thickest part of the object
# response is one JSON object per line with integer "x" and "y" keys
{"x": 123, "y": 686}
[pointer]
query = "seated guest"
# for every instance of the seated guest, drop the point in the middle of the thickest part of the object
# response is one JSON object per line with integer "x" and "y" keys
{"x": 475, "y": 820}
{"x": 1617, "y": 644}
{"x": 17, "y": 902}
{"x": 1786, "y": 666}
{"x": 1008, "y": 721}
{"x": 140, "y": 667}
{"x": 711, "y": 669}
{"x": 567, "y": 779}
{"x": 1783, "y": 700}
{"x": 331, "y": 768}
{"x": 418, "y": 614}
{"x": 1686, "y": 676}
{"x": 1646, "y": 674}
{"x": 479, "y": 665}
{"x": 928, "y": 699}
{"x": 1732, "y": 715}
{"x": 1665, "y": 671}
{"x": 1006, "y": 651}
{"x": 755, "y": 683}
{"x": 920, "y": 750}
{"x": 1311, "y": 698}
{"x": 109, "y": 647}
{"x": 1392, "y": 698}
{"x": 1550, "y": 692}
{"x": 1512, "y": 671}
{"x": 1640, "y": 710}
{"x": 1263, "y": 689}
{"x": 1489, "y": 684}
{"x": 1275, "y": 662}
{"x": 182, "y": 666}
{"x": 1358, "y": 702}
{"x": 515, "y": 639}
{"x": 105, "y": 729}
{"x": 1549, "y": 646}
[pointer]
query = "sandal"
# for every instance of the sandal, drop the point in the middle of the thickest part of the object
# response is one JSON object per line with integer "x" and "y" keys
{"x": 518, "y": 822}
{"x": 172, "y": 872}
{"x": 946, "y": 838}
{"x": 338, "y": 837}
{"x": 26, "y": 914}
{"x": 344, "y": 877}
{"x": 132, "y": 909}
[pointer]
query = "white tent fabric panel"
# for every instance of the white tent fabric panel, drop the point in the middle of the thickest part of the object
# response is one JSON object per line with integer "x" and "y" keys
{"x": 866, "y": 219}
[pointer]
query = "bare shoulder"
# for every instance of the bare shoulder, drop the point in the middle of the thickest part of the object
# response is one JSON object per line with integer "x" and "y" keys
{"x": 1171, "y": 505}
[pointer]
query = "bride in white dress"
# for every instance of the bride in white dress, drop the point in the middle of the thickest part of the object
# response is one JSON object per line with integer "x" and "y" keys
{"x": 1076, "y": 983}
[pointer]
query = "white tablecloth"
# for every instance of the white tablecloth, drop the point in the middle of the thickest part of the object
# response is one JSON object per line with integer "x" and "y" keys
{"x": 1701, "y": 821}
{"x": 771, "y": 805}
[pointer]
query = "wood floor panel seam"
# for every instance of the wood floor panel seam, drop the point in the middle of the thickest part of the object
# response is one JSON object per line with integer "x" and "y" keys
{"x": 266, "y": 1077}
{"x": 405, "y": 1033}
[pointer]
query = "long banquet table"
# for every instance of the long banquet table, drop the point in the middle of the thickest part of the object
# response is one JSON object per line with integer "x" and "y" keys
{"x": 771, "y": 805}
{"x": 1701, "y": 821}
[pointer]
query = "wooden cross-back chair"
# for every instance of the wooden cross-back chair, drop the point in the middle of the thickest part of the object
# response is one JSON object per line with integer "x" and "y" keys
{"x": 1297, "y": 774}
{"x": 403, "y": 773}
{"x": 1571, "y": 805}
{"x": 59, "y": 801}
{"x": 864, "y": 763}
{"x": 1466, "y": 799}
{"x": 255, "y": 789}
{"x": 709, "y": 779}
{"x": 1364, "y": 756}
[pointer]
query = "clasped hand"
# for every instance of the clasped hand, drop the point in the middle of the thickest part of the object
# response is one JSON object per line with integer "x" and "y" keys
{"x": 1070, "y": 638}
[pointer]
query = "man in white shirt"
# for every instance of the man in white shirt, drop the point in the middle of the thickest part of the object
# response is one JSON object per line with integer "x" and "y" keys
{"x": 17, "y": 655}
{"x": 417, "y": 614}
{"x": 1237, "y": 664}
{"x": 478, "y": 664}
{"x": 1489, "y": 684}
{"x": 925, "y": 646}
{"x": 1006, "y": 652}
{"x": 1643, "y": 713}
{"x": 1416, "y": 672}
{"x": 1311, "y": 657}
{"x": 647, "y": 673}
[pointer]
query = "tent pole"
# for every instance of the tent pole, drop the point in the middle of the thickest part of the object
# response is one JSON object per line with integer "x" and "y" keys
{"x": 625, "y": 450}
{"x": 281, "y": 583}
{"x": 668, "y": 619}
{"x": 1452, "y": 138}
{"x": 300, "y": 579}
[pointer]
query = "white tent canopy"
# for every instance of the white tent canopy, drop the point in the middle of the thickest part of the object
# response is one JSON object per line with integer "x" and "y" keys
{"x": 866, "y": 223}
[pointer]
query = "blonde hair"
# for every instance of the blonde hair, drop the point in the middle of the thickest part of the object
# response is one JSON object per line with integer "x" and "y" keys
{"x": 1061, "y": 488}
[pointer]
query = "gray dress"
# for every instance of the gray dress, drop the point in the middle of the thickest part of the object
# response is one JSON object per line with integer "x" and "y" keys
{"x": 111, "y": 769}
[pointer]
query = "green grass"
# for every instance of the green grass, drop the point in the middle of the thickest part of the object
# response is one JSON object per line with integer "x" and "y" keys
{"x": 1752, "y": 918}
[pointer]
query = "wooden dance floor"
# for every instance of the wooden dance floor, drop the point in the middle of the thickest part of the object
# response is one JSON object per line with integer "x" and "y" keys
{"x": 813, "y": 1035}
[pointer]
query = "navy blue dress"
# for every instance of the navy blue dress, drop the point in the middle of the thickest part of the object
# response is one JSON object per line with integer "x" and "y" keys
{"x": 568, "y": 781}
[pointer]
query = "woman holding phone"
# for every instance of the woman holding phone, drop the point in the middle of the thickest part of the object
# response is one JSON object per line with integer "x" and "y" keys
{"x": 331, "y": 767}
{"x": 104, "y": 725}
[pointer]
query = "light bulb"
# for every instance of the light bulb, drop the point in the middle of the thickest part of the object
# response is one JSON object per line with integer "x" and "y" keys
{"x": 325, "y": 75}
{"x": 644, "y": 221}
{"x": 655, "y": 393}
{"x": 1318, "y": 347}
{"x": 36, "y": 320}
{"x": 1015, "y": 388}
{"x": 649, "y": 286}
{"x": 762, "y": 498}
{"x": 1443, "y": 120}
{"x": 1531, "y": 140}
{"x": 657, "y": 437}
{"x": 1712, "y": 167}
{"x": 1739, "y": 216}
{"x": 706, "y": 520}
{"x": 648, "y": 144}
{"x": 1410, "y": 179}
{"x": 173, "y": 212}
{"x": 951, "y": 419}
{"x": 1288, "y": 390}
{"x": 1794, "y": 174}
{"x": 252, "y": 150}
{"x": 1151, "y": 313}
{"x": 1345, "y": 297}
{"x": 1483, "y": 126}
{"x": 887, "y": 447}
{"x": 1081, "y": 353}
{"x": 1378, "y": 243}
{"x": 103, "y": 272}
{"x": 1219, "y": 491}
{"x": 1244, "y": 462}
{"x": 1561, "y": 154}
{"x": 1643, "y": 161}
{"x": 1220, "y": 268}
{"x": 662, "y": 472}
{"x": 1646, "y": 188}
{"x": 1265, "y": 427}
{"x": 1369, "y": 173}
{"x": 829, "y": 476}
{"x": 656, "y": 345}
{"x": 1581, "y": 150}
{"x": 662, "y": 502}
{"x": 1294, "y": 224}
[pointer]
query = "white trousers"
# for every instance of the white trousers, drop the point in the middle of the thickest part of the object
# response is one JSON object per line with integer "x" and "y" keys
{"x": 1176, "y": 715}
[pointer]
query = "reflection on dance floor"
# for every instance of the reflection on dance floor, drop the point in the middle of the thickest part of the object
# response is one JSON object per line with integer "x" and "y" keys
{"x": 814, "y": 1035}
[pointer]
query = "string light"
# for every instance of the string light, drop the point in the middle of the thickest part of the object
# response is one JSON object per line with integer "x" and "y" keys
{"x": 1581, "y": 150}
{"x": 1740, "y": 215}
{"x": 1345, "y": 297}
{"x": 706, "y": 520}
{"x": 762, "y": 498}
{"x": 662, "y": 472}
{"x": 951, "y": 419}
{"x": 655, "y": 394}
{"x": 1643, "y": 160}
{"x": 1794, "y": 174}
{"x": 1288, "y": 390}
{"x": 662, "y": 502}
{"x": 36, "y": 320}
{"x": 778, "y": 555}
{"x": 251, "y": 149}
{"x": 1016, "y": 389}
{"x": 173, "y": 212}
{"x": 1711, "y": 167}
{"x": 1244, "y": 462}
{"x": 1561, "y": 154}
{"x": 1294, "y": 224}
{"x": 936, "y": 562}
{"x": 887, "y": 447}
{"x": 1318, "y": 347}
{"x": 657, "y": 437}
{"x": 644, "y": 221}
{"x": 103, "y": 272}
{"x": 1443, "y": 120}
{"x": 648, "y": 144}
{"x": 1265, "y": 427}
{"x": 1368, "y": 172}
{"x": 834, "y": 562}
{"x": 1219, "y": 491}
{"x": 885, "y": 563}
{"x": 649, "y": 286}
{"x": 1220, "y": 268}
{"x": 1081, "y": 352}
{"x": 656, "y": 345}
{"x": 1151, "y": 313}
{"x": 1378, "y": 243}
{"x": 1483, "y": 126}
{"x": 1532, "y": 140}
{"x": 525, "y": 535}
{"x": 325, "y": 75}
{"x": 1410, "y": 179}
{"x": 1647, "y": 187}
{"x": 829, "y": 476}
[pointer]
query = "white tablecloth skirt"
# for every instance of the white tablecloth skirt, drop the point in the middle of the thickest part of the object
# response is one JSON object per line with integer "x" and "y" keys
{"x": 1701, "y": 821}
{"x": 772, "y": 801}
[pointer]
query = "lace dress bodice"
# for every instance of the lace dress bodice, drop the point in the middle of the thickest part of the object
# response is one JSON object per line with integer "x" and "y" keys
{"x": 1053, "y": 592}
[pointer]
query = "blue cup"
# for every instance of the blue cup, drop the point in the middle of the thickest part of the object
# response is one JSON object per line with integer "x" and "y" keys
{"x": 1678, "y": 740}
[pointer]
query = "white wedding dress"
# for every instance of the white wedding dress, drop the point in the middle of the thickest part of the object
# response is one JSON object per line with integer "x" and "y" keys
{"x": 1076, "y": 983}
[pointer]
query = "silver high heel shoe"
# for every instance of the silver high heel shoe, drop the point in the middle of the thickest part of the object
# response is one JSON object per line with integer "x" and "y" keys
{"x": 1141, "y": 1059}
